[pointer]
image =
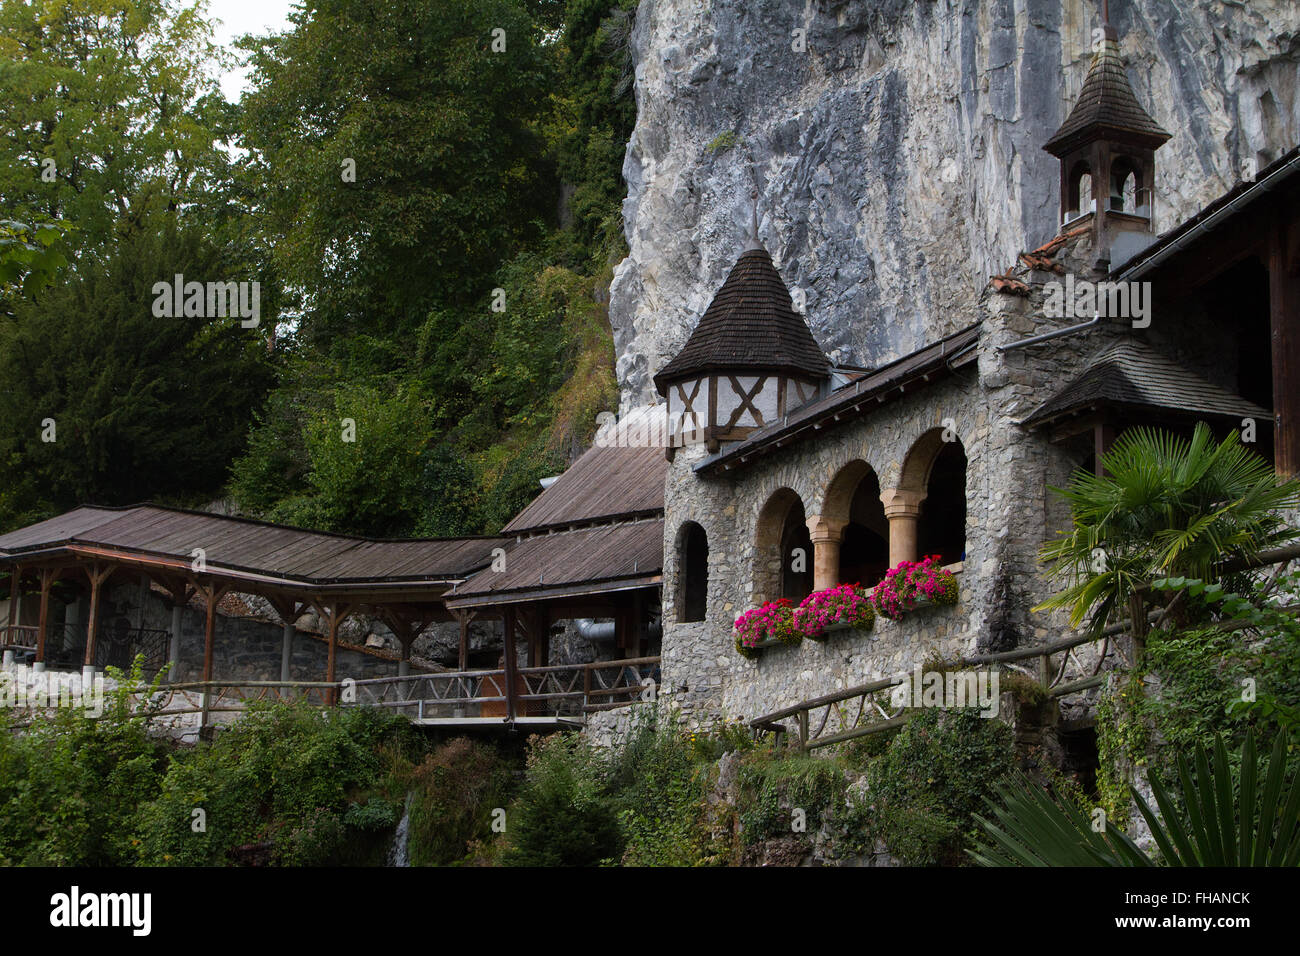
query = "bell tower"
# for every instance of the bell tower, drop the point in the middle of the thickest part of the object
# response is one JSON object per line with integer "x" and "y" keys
{"x": 1107, "y": 147}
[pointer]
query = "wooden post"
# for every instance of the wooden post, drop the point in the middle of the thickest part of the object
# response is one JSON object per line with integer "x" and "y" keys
{"x": 47, "y": 578}
{"x": 1103, "y": 436}
{"x": 334, "y": 614}
{"x": 464, "y": 617}
{"x": 14, "y": 583}
{"x": 98, "y": 574}
{"x": 1284, "y": 313}
{"x": 508, "y": 621}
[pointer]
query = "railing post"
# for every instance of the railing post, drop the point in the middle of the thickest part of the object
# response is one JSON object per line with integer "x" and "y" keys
{"x": 803, "y": 729}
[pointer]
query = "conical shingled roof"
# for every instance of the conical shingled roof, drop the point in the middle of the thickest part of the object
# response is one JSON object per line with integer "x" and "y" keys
{"x": 1106, "y": 107}
{"x": 750, "y": 324}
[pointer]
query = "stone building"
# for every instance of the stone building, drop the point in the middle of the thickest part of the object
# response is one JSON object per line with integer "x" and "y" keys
{"x": 789, "y": 474}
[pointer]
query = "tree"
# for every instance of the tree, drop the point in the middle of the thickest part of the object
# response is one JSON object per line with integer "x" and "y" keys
{"x": 1163, "y": 506}
{"x": 103, "y": 402}
{"x": 397, "y": 140}
{"x": 104, "y": 111}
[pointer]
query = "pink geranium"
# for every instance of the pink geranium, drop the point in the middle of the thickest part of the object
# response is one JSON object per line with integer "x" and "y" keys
{"x": 910, "y": 583}
{"x": 843, "y": 604}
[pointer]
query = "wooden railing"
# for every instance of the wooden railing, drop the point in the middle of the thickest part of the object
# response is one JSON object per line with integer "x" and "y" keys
{"x": 557, "y": 690}
{"x": 18, "y": 637}
{"x": 812, "y": 718}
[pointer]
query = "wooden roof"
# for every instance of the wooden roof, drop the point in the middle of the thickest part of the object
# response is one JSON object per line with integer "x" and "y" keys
{"x": 276, "y": 553}
{"x": 858, "y": 398}
{"x": 584, "y": 561}
{"x": 1131, "y": 373}
{"x": 751, "y": 324}
{"x": 1107, "y": 107}
{"x": 604, "y": 483}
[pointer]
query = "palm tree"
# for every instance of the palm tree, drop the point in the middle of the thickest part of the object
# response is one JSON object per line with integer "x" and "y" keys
{"x": 1225, "y": 818}
{"x": 1163, "y": 506}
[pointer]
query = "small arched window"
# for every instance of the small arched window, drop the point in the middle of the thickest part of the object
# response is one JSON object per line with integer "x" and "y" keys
{"x": 693, "y": 554}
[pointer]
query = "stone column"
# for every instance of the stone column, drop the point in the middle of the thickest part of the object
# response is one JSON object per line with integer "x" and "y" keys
{"x": 826, "y": 534}
{"x": 902, "y": 508}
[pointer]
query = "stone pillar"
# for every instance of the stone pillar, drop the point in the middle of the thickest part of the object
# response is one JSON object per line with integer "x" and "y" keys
{"x": 902, "y": 508}
{"x": 286, "y": 651}
{"x": 826, "y": 534}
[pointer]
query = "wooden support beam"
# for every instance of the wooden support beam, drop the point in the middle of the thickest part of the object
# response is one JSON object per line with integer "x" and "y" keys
{"x": 15, "y": 584}
{"x": 509, "y": 620}
{"x": 334, "y": 613}
{"x": 98, "y": 574}
{"x": 463, "y": 618}
{"x": 47, "y": 579}
{"x": 1284, "y": 317}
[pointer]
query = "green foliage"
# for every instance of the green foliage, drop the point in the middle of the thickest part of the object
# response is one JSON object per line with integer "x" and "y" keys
{"x": 452, "y": 796}
{"x": 1165, "y": 506}
{"x": 1228, "y": 816}
{"x": 70, "y": 783}
{"x": 141, "y": 406}
{"x": 774, "y": 786}
{"x": 661, "y": 785}
{"x": 927, "y": 786}
{"x": 30, "y": 256}
{"x": 563, "y": 816}
{"x": 289, "y": 775}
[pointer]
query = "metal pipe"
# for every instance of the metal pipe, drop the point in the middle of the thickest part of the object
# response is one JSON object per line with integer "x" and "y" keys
{"x": 1033, "y": 340}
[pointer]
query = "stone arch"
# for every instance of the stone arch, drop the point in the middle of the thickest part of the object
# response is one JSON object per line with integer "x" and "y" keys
{"x": 927, "y": 510}
{"x": 852, "y": 503}
{"x": 692, "y": 552}
{"x": 781, "y": 532}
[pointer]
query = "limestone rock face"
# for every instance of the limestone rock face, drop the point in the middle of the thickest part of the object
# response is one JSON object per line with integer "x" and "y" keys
{"x": 896, "y": 148}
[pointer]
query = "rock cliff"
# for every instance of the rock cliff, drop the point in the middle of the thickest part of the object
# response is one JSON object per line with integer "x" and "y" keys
{"x": 896, "y": 148}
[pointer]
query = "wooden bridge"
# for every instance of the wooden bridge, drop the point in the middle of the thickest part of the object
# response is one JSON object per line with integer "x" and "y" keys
{"x": 543, "y": 697}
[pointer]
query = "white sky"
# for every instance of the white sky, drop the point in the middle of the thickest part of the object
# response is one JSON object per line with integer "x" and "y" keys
{"x": 238, "y": 17}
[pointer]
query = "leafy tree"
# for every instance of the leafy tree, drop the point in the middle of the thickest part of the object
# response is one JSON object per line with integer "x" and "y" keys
{"x": 105, "y": 114}
{"x": 440, "y": 130}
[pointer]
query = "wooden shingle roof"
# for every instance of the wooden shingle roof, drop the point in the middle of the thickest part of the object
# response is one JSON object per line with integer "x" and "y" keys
{"x": 1106, "y": 107}
{"x": 585, "y": 561}
{"x": 750, "y": 324}
{"x": 1132, "y": 374}
{"x": 604, "y": 483}
{"x": 250, "y": 548}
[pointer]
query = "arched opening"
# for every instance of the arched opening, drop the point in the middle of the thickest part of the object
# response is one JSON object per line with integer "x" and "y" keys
{"x": 1126, "y": 187}
{"x": 1079, "y": 191}
{"x": 941, "y": 528}
{"x": 693, "y": 579}
{"x": 853, "y": 497}
{"x": 784, "y": 552}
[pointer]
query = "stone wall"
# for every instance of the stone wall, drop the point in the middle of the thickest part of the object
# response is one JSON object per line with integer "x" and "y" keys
{"x": 1010, "y": 513}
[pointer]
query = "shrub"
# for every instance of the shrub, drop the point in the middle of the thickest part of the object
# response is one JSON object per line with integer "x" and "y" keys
{"x": 452, "y": 796}
{"x": 932, "y": 780}
{"x": 772, "y": 786}
{"x": 563, "y": 815}
{"x": 70, "y": 784}
{"x": 274, "y": 779}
